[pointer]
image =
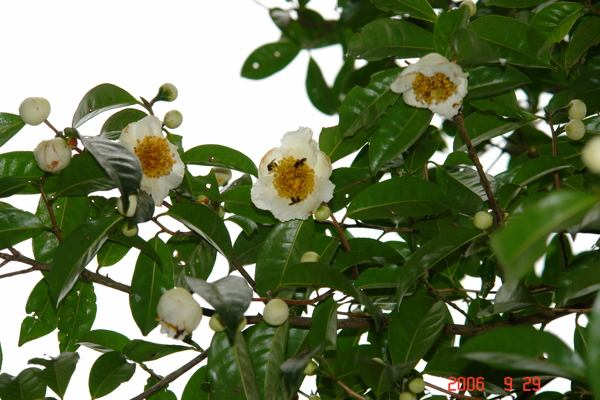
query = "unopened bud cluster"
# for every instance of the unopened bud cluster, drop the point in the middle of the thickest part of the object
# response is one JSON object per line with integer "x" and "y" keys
{"x": 576, "y": 110}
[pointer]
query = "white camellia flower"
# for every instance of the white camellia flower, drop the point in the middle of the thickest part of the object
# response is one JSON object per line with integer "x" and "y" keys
{"x": 435, "y": 83}
{"x": 178, "y": 313}
{"x": 162, "y": 167}
{"x": 52, "y": 155}
{"x": 293, "y": 179}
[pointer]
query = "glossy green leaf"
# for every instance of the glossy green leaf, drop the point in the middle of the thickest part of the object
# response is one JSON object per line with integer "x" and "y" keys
{"x": 282, "y": 248}
{"x": 519, "y": 348}
{"x": 445, "y": 27}
{"x": 17, "y": 225}
{"x": 57, "y": 372}
{"x": 580, "y": 279}
{"x": 463, "y": 187}
{"x": 380, "y": 377}
{"x": 192, "y": 257}
{"x": 238, "y": 201}
{"x": 42, "y": 317}
{"x": 247, "y": 225}
{"x": 215, "y": 155}
{"x": 537, "y": 168}
{"x": 553, "y": 23}
{"x": 491, "y": 81}
{"x": 142, "y": 351}
{"x": 25, "y": 386}
{"x": 363, "y": 106}
{"x": 10, "y": 124}
{"x": 419, "y": 9}
{"x": 108, "y": 372}
{"x": 246, "y": 247}
{"x": 587, "y": 89}
{"x": 398, "y": 130}
{"x": 582, "y": 40}
{"x": 76, "y": 315}
{"x": 399, "y": 197}
{"x": 470, "y": 50}
{"x": 515, "y": 3}
{"x": 75, "y": 252}
{"x": 139, "y": 243}
{"x": 422, "y": 150}
{"x": 523, "y": 239}
{"x": 103, "y": 340}
{"x": 83, "y": 176}
{"x": 111, "y": 129}
{"x": 332, "y": 143}
{"x": 206, "y": 223}
{"x": 20, "y": 164}
{"x": 229, "y": 296}
{"x": 163, "y": 394}
{"x": 194, "y": 389}
{"x": 111, "y": 253}
{"x": 387, "y": 37}
{"x": 269, "y": 59}
{"x": 101, "y": 98}
{"x": 593, "y": 343}
{"x": 10, "y": 186}
{"x": 323, "y": 326}
{"x": 293, "y": 371}
{"x": 379, "y": 278}
{"x": 147, "y": 286}
{"x": 348, "y": 183}
{"x": 319, "y": 93}
{"x": 512, "y": 296}
{"x": 505, "y": 105}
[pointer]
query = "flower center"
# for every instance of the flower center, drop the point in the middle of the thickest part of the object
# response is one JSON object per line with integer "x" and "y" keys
{"x": 429, "y": 88}
{"x": 293, "y": 179}
{"x": 155, "y": 155}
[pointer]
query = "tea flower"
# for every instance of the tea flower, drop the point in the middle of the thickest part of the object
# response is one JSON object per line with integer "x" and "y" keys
{"x": 178, "y": 313}
{"x": 435, "y": 83}
{"x": 162, "y": 167}
{"x": 293, "y": 179}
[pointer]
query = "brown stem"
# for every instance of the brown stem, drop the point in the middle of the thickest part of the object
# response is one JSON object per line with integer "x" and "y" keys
{"x": 301, "y": 302}
{"x": 21, "y": 272}
{"x": 350, "y": 391}
{"x": 51, "y": 212}
{"x": 56, "y": 131}
{"x": 170, "y": 232}
{"x": 345, "y": 244}
{"x": 240, "y": 268}
{"x": 457, "y": 395}
{"x": 451, "y": 304}
{"x": 557, "y": 183}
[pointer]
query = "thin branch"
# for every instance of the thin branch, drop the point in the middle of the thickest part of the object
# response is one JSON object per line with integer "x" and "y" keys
{"x": 170, "y": 232}
{"x": 240, "y": 268}
{"x": 457, "y": 395}
{"x": 301, "y": 302}
{"x": 56, "y": 131}
{"x": 345, "y": 244}
{"x": 23, "y": 271}
{"x": 51, "y": 212}
{"x": 554, "y": 147}
{"x": 350, "y": 391}
{"x": 451, "y": 304}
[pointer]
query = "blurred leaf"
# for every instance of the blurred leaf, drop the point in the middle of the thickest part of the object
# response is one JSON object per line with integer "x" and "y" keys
{"x": 76, "y": 315}
{"x": 83, "y": 176}
{"x": 194, "y": 389}
{"x": 142, "y": 351}
{"x": 378, "y": 278}
{"x": 111, "y": 129}
{"x": 238, "y": 201}
{"x": 319, "y": 93}
{"x": 463, "y": 187}
{"x": 446, "y": 25}
{"x": 323, "y": 326}
{"x": 553, "y": 23}
{"x": 579, "y": 280}
{"x": 470, "y": 50}
{"x": 25, "y": 386}
{"x": 536, "y": 168}
{"x": 415, "y": 8}
{"x": 215, "y": 155}
{"x": 58, "y": 371}
{"x": 103, "y": 340}
{"x": 387, "y": 37}
{"x": 108, "y": 372}
{"x": 593, "y": 344}
{"x": 42, "y": 317}
{"x": 515, "y": 3}
{"x": 269, "y": 59}
{"x": 17, "y": 225}
{"x": 492, "y": 81}
{"x": 582, "y": 40}
{"x": 332, "y": 143}
{"x": 512, "y": 296}
{"x": 101, "y": 98}
{"x": 293, "y": 371}
{"x": 505, "y": 105}
{"x": 484, "y": 126}
{"x": 10, "y": 124}
{"x": 380, "y": 377}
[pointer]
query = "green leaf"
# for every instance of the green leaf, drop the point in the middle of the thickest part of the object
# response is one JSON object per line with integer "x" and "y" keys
{"x": 387, "y": 37}
{"x": 269, "y": 59}
{"x": 58, "y": 371}
{"x": 319, "y": 93}
{"x": 83, "y": 176}
{"x": 512, "y": 296}
{"x": 192, "y": 256}
{"x": 463, "y": 187}
{"x": 580, "y": 279}
{"x": 536, "y": 168}
{"x": 445, "y": 27}
{"x": 323, "y": 326}
{"x": 348, "y": 183}
{"x": 108, "y": 372}
{"x": 515, "y": 3}
{"x": 101, "y": 98}
{"x": 76, "y": 315}
{"x": 194, "y": 389}
{"x": 42, "y": 318}
{"x": 10, "y": 186}
{"x": 470, "y": 50}
{"x": 111, "y": 253}
{"x": 229, "y": 296}
{"x": 378, "y": 278}
{"x": 238, "y": 201}
{"x": 585, "y": 38}
{"x": 419, "y": 9}
{"x": 293, "y": 371}
{"x": 215, "y": 155}
{"x": 525, "y": 349}
{"x": 163, "y": 394}
{"x": 553, "y": 23}
{"x": 142, "y": 351}
{"x": 111, "y": 129}
{"x": 399, "y": 197}
{"x": 362, "y": 107}
{"x": 491, "y": 81}
{"x": 246, "y": 247}
{"x": 75, "y": 252}
{"x": 247, "y": 225}
{"x": 103, "y": 340}
{"x": 17, "y": 225}
{"x": 143, "y": 246}
{"x": 509, "y": 38}
{"x": 398, "y": 130}
{"x": 380, "y": 377}
{"x": 283, "y": 247}
{"x": 593, "y": 344}
{"x": 523, "y": 239}
{"x": 504, "y": 105}
{"x": 25, "y": 386}
{"x": 22, "y": 165}
{"x": 332, "y": 143}
{"x": 147, "y": 286}
{"x": 10, "y": 124}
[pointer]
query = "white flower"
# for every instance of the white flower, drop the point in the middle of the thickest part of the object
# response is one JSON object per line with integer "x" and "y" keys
{"x": 435, "y": 83}
{"x": 52, "y": 155}
{"x": 162, "y": 167}
{"x": 293, "y": 179}
{"x": 178, "y": 313}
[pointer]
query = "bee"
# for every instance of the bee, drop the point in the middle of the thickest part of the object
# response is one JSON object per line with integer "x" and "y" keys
{"x": 272, "y": 165}
{"x": 299, "y": 163}
{"x": 295, "y": 200}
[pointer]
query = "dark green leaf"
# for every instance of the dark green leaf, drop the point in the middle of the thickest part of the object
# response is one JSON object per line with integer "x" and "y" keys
{"x": 111, "y": 253}
{"x": 143, "y": 246}
{"x": 192, "y": 256}
{"x": 42, "y": 318}
{"x": 25, "y": 386}
{"x": 76, "y": 315}
{"x": 323, "y": 326}
{"x": 20, "y": 164}
{"x": 537, "y": 168}
{"x": 378, "y": 278}
{"x": 10, "y": 124}
{"x": 593, "y": 342}
{"x": 553, "y": 23}
{"x": 108, "y": 372}
{"x": 163, "y": 394}
{"x": 504, "y": 105}
{"x": 83, "y": 176}
{"x": 247, "y": 225}
{"x": 415, "y": 8}
{"x": 492, "y": 81}
{"x": 293, "y": 370}
{"x": 579, "y": 280}
{"x": 194, "y": 389}
{"x": 101, "y": 98}
{"x": 246, "y": 247}
{"x": 380, "y": 377}
{"x": 348, "y": 183}
{"x": 515, "y": 3}
{"x": 463, "y": 187}
{"x": 57, "y": 372}
{"x": 10, "y": 186}
{"x": 238, "y": 201}
{"x": 470, "y": 50}
{"x": 142, "y": 351}
{"x": 103, "y": 340}
{"x": 332, "y": 143}
{"x": 585, "y": 38}
{"x": 319, "y": 93}
{"x": 111, "y": 129}
{"x": 269, "y": 59}
{"x": 215, "y": 155}
{"x": 512, "y": 296}
{"x": 17, "y": 225}
{"x": 445, "y": 27}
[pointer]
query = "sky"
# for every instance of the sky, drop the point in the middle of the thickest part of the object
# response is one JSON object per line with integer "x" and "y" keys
{"x": 61, "y": 49}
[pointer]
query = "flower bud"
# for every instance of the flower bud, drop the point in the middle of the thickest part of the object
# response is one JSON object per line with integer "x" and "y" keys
{"x": 129, "y": 231}
{"x": 575, "y": 129}
{"x": 34, "y": 110}
{"x": 310, "y": 256}
{"x": 216, "y": 323}
{"x": 133, "y": 200}
{"x": 242, "y": 324}
{"x": 52, "y": 155}
{"x": 407, "y": 396}
{"x": 323, "y": 213}
{"x": 310, "y": 368}
{"x": 483, "y": 220}
{"x": 223, "y": 175}
{"x": 173, "y": 119}
{"x": 314, "y": 397}
{"x": 202, "y": 199}
{"x": 178, "y": 313}
{"x": 590, "y": 155}
{"x": 576, "y": 109}
{"x": 470, "y": 5}
{"x": 416, "y": 385}
{"x": 379, "y": 360}
{"x": 276, "y": 312}
{"x": 220, "y": 211}
{"x": 167, "y": 92}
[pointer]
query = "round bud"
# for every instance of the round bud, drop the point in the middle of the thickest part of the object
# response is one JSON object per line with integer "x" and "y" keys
{"x": 310, "y": 368}
{"x": 379, "y": 360}
{"x": 323, "y": 213}
{"x": 127, "y": 231}
{"x": 178, "y": 313}
{"x": 470, "y": 5}
{"x": 416, "y": 385}
{"x": 130, "y": 212}
{"x": 173, "y": 119}
{"x": 483, "y": 220}
{"x": 242, "y": 324}
{"x": 310, "y": 256}
{"x": 216, "y": 323}
{"x": 167, "y": 92}
{"x": 34, "y": 110}
{"x": 276, "y": 312}
{"x": 52, "y": 155}
{"x": 590, "y": 155}
{"x": 576, "y": 109}
{"x": 314, "y": 397}
{"x": 202, "y": 199}
{"x": 407, "y": 396}
{"x": 223, "y": 175}
{"x": 575, "y": 129}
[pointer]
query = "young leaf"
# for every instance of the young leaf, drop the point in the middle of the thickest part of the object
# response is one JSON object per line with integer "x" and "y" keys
{"x": 269, "y": 59}
{"x": 220, "y": 156}
{"x": 101, "y": 98}
{"x": 76, "y": 315}
{"x": 58, "y": 371}
{"x": 10, "y": 124}
{"x": 108, "y": 372}
{"x": 103, "y": 340}
{"x": 142, "y": 351}
{"x": 42, "y": 318}
{"x": 17, "y": 225}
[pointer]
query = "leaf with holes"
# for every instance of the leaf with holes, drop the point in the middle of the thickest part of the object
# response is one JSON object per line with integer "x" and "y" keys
{"x": 269, "y": 59}
{"x": 42, "y": 318}
{"x": 76, "y": 315}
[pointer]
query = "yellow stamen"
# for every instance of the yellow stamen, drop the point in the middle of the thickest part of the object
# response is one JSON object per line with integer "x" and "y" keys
{"x": 293, "y": 179}
{"x": 155, "y": 155}
{"x": 436, "y": 88}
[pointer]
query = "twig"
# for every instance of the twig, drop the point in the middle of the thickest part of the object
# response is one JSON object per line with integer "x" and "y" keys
{"x": 24, "y": 271}
{"x": 171, "y": 377}
{"x": 370, "y": 226}
{"x": 451, "y": 304}
{"x": 554, "y": 147}
{"x": 51, "y": 212}
{"x": 457, "y": 395}
{"x": 58, "y": 133}
{"x": 350, "y": 391}
{"x": 170, "y": 232}
{"x": 240, "y": 268}
{"x": 345, "y": 244}
{"x": 301, "y": 302}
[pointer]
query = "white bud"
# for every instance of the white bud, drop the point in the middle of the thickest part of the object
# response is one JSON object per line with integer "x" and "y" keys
{"x": 577, "y": 109}
{"x": 323, "y": 213}
{"x": 223, "y": 175}
{"x": 407, "y": 396}
{"x": 216, "y": 323}
{"x": 127, "y": 231}
{"x": 178, "y": 313}
{"x": 590, "y": 155}
{"x": 173, "y": 119}
{"x": 242, "y": 324}
{"x": 310, "y": 256}
{"x": 52, "y": 155}
{"x": 483, "y": 220}
{"x": 470, "y": 5}
{"x": 276, "y": 312}
{"x": 167, "y": 92}
{"x": 575, "y": 129}
{"x": 34, "y": 110}
{"x": 416, "y": 385}
{"x": 133, "y": 200}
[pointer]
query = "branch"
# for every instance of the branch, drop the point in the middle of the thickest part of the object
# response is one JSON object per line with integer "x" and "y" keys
{"x": 240, "y": 268}
{"x": 456, "y": 395}
{"x": 350, "y": 391}
{"x": 51, "y": 212}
